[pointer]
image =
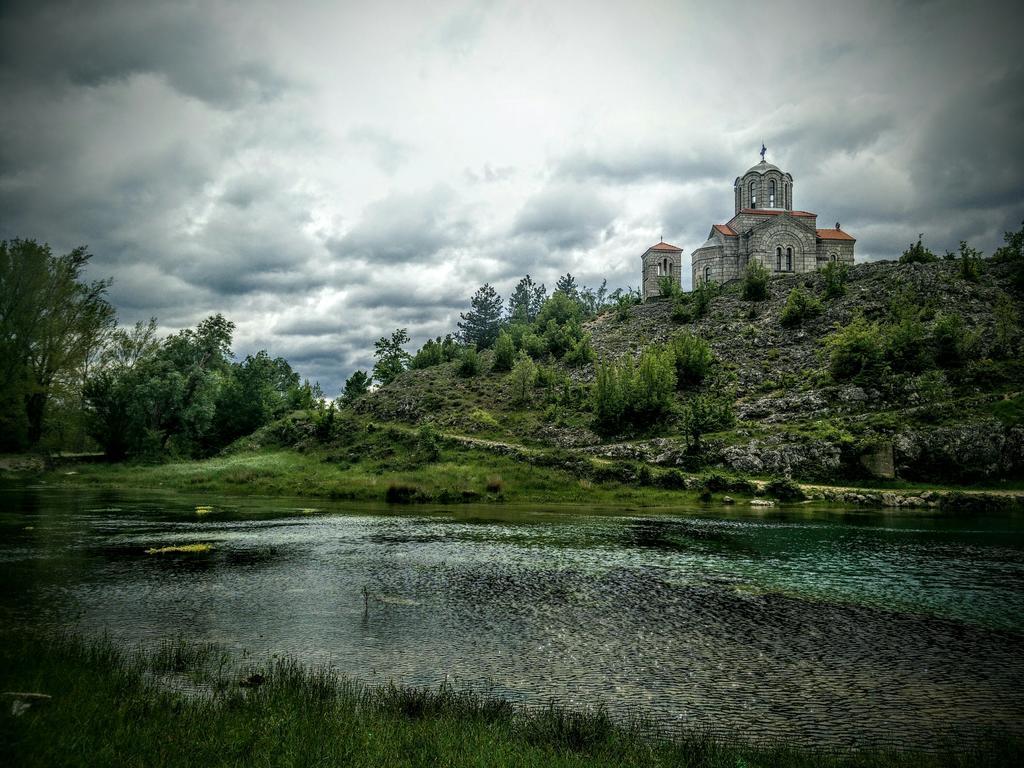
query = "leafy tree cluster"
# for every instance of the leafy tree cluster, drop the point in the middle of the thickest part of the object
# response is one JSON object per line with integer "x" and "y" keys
{"x": 184, "y": 395}
{"x": 634, "y": 394}
{"x": 392, "y": 359}
{"x": 909, "y": 344}
{"x": 52, "y": 323}
{"x": 434, "y": 352}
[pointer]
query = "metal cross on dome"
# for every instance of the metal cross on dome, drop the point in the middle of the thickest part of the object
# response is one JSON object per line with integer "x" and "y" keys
{"x": 763, "y": 150}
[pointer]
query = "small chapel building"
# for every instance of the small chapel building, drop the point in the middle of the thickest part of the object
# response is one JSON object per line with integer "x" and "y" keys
{"x": 766, "y": 229}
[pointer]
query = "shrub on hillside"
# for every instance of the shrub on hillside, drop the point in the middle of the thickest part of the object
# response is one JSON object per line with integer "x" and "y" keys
{"x": 856, "y": 349}
{"x": 800, "y": 306}
{"x": 469, "y": 363}
{"x": 906, "y": 346}
{"x": 693, "y": 359}
{"x": 835, "y": 275}
{"x": 580, "y": 353}
{"x": 504, "y": 352}
{"x": 970, "y": 262}
{"x": 916, "y": 253}
{"x": 668, "y": 287}
{"x": 702, "y": 414}
{"x": 523, "y": 376}
{"x": 628, "y": 393}
{"x": 694, "y": 305}
{"x": 953, "y": 342}
{"x": 755, "y": 282}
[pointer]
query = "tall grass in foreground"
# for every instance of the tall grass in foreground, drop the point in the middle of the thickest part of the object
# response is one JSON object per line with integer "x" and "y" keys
{"x": 116, "y": 707}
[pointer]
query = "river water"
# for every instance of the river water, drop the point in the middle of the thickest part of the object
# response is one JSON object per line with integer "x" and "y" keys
{"x": 818, "y": 626}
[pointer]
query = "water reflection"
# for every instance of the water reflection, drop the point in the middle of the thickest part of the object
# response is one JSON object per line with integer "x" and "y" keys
{"x": 825, "y": 627}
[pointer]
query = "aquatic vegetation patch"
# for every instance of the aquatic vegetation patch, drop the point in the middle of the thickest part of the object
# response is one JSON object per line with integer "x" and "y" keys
{"x": 180, "y": 548}
{"x": 204, "y": 510}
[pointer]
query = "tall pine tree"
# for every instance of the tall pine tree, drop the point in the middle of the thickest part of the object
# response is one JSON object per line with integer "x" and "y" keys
{"x": 479, "y": 327}
{"x": 526, "y": 300}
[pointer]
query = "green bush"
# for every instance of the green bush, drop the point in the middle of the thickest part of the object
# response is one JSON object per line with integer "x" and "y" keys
{"x": 693, "y": 359}
{"x": 755, "y": 282}
{"x": 970, "y": 262}
{"x": 785, "y": 490}
{"x": 580, "y": 353}
{"x": 855, "y": 350}
{"x": 428, "y": 443}
{"x": 668, "y": 287}
{"x": 469, "y": 363}
{"x": 800, "y": 306}
{"x": 706, "y": 413}
{"x": 953, "y": 342}
{"x": 906, "y": 346}
{"x": 916, "y": 253}
{"x": 835, "y": 275}
{"x": 626, "y": 393}
{"x": 504, "y": 352}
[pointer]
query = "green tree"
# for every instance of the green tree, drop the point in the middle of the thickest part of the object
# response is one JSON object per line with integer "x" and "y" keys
{"x": 504, "y": 352}
{"x": 1006, "y": 328}
{"x": 970, "y": 262}
{"x": 392, "y": 359}
{"x": 256, "y": 391}
{"x": 523, "y": 377}
{"x": 356, "y": 385}
{"x": 566, "y": 284}
{"x": 703, "y": 414}
{"x": 479, "y": 327}
{"x": 755, "y": 282}
{"x": 525, "y": 301}
{"x": 51, "y": 322}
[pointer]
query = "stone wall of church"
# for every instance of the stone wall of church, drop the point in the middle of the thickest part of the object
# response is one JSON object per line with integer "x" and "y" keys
{"x": 764, "y": 243}
{"x": 841, "y": 250}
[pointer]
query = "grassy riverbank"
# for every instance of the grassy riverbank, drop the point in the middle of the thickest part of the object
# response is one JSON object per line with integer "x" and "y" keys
{"x": 184, "y": 705}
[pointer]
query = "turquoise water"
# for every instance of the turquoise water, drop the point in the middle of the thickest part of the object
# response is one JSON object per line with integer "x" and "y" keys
{"x": 820, "y": 626}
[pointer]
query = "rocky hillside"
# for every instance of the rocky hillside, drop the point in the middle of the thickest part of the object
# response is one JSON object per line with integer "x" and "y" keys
{"x": 952, "y": 414}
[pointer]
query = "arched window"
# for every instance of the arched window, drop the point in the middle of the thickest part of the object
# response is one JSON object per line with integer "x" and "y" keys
{"x": 753, "y": 194}
{"x": 789, "y": 259}
{"x": 778, "y": 259}
{"x": 833, "y": 257}
{"x": 771, "y": 195}
{"x": 707, "y": 274}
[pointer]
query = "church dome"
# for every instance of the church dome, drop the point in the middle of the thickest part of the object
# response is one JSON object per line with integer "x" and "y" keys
{"x": 763, "y": 167}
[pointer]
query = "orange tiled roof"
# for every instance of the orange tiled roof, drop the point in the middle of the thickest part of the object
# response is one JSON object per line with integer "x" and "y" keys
{"x": 833, "y": 234}
{"x": 726, "y": 230}
{"x": 774, "y": 212}
{"x": 663, "y": 246}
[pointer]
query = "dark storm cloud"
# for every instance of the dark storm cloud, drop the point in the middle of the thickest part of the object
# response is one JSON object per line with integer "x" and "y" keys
{"x": 405, "y": 227}
{"x": 647, "y": 163}
{"x": 89, "y": 44}
{"x": 566, "y": 216}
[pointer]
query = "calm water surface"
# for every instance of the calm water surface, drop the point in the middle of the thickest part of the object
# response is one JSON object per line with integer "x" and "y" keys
{"x": 818, "y": 626}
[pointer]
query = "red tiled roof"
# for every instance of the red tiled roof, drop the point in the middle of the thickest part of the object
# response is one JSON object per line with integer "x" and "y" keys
{"x": 726, "y": 230}
{"x": 774, "y": 212}
{"x": 663, "y": 246}
{"x": 833, "y": 234}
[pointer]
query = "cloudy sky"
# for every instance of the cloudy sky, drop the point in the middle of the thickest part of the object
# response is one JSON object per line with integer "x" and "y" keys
{"x": 322, "y": 173}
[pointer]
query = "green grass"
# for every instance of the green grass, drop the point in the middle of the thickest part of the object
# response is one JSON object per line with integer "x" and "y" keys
{"x": 186, "y": 705}
{"x": 459, "y": 475}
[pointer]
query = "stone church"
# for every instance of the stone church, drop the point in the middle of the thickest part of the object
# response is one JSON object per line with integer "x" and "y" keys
{"x": 764, "y": 228}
